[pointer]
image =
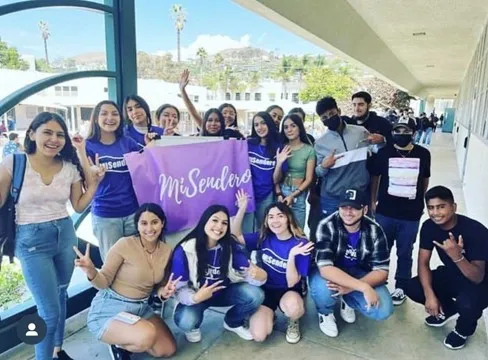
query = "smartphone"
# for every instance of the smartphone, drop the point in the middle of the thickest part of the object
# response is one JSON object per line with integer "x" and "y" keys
{"x": 127, "y": 318}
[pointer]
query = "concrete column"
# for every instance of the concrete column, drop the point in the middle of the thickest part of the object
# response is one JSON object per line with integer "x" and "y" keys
{"x": 430, "y": 105}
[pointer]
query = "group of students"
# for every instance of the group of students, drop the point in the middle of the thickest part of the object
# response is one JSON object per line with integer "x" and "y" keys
{"x": 255, "y": 262}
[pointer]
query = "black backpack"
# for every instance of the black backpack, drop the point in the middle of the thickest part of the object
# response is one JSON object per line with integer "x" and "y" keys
{"x": 7, "y": 211}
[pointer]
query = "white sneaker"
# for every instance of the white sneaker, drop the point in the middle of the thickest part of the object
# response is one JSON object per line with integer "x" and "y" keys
{"x": 243, "y": 332}
{"x": 293, "y": 332}
{"x": 327, "y": 324}
{"x": 194, "y": 336}
{"x": 347, "y": 313}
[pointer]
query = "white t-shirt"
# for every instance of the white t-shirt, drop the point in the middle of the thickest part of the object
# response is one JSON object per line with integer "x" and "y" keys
{"x": 39, "y": 202}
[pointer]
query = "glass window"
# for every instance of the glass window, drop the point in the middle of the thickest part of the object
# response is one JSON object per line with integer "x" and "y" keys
{"x": 238, "y": 96}
{"x": 257, "y": 96}
{"x": 74, "y": 91}
{"x": 294, "y": 97}
{"x": 57, "y": 91}
{"x": 272, "y": 97}
{"x": 227, "y": 96}
{"x": 247, "y": 96}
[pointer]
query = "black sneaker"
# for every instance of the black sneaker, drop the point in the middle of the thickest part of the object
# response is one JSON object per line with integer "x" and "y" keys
{"x": 455, "y": 340}
{"x": 119, "y": 353}
{"x": 440, "y": 320}
{"x": 63, "y": 356}
{"x": 398, "y": 296}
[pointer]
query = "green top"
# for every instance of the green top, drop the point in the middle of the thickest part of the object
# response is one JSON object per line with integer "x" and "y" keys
{"x": 297, "y": 163}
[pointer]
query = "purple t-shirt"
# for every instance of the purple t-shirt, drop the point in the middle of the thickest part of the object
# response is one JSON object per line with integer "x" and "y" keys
{"x": 179, "y": 264}
{"x": 273, "y": 254}
{"x": 115, "y": 196}
{"x": 138, "y": 137}
{"x": 350, "y": 259}
{"x": 262, "y": 167}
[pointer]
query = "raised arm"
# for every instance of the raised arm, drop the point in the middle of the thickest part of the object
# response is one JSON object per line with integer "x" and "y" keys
{"x": 236, "y": 221}
{"x": 184, "y": 79}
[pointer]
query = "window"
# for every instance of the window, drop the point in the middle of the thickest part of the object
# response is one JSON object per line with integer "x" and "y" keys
{"x": 105, "y": 89}
{"x": 227, "y": 96}
{"x": 74, "y": 91}
{"x": 196, "y": 98}
{"x": 257, "y": 96}
{"x": 85, "y": 113}
{"x": 57, "y": 91}
{"x": 272, "y": 97}
{"x": 294, "y": 97}
{"x": 247, "y": 96}
{"x": 238, "y": 96}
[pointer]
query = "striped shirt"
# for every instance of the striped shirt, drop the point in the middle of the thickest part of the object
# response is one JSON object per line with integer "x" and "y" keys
{"x": 332, "y": 240}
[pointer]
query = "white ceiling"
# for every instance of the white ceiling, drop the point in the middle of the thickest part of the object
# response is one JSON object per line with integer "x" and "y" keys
{"x": 452, "y": 27}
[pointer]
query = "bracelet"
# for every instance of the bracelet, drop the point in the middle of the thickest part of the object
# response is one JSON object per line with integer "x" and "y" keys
{"x": 459, "y": 260}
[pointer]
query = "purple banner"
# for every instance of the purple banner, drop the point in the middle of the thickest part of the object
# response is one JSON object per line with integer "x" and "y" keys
{"x": 186, "y": 179}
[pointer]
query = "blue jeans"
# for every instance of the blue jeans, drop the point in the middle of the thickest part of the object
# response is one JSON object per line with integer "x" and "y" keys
{"x": 299, "y": 206}
{"x": 405, "y": 234}
{"x": 329, "y": 205}
{"x": 428, "y": 136}
{"x": 418, "y": 136}
{"x": 45, "y": 251}
{"x": 253, "y": 221}
{"x": 325, "y": 302}
{"x": 245, "y": 299}
{"x": 109, "y": 230}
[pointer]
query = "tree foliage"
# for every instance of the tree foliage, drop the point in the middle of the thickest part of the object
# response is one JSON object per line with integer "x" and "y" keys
{"x": 324, "y": 81}
{"x": 10, "y": 58}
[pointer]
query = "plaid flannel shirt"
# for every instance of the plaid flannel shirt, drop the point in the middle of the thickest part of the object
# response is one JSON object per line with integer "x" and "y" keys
{"x": 332, "y": 239}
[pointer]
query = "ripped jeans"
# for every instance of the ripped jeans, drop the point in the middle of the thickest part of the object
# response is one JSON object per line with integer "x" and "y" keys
{"x": 45, "y": 251}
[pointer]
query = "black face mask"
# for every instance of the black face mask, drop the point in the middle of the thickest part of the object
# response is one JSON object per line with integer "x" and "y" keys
{"x": 333, "y": 123}
{"x": 402, "y": 140}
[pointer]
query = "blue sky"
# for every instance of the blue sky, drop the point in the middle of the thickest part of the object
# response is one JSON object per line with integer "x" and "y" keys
{"x": 213, "y": 24}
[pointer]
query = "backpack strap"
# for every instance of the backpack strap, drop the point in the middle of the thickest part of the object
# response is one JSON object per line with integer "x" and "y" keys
{"x": 20, "y": 161}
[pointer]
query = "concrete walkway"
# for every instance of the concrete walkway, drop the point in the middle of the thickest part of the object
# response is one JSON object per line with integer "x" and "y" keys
{"x": 402, "y": 337}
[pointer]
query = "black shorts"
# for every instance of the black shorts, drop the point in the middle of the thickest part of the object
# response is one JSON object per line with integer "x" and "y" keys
{"x": 272, "y": 297}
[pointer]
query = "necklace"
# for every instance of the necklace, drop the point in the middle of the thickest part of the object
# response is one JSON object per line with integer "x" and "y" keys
{"x": 404, "y": 156}
{"x": 148, "y": 251}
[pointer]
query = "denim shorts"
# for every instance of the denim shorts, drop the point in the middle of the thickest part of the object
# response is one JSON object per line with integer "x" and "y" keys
{"x": 107, "y": 304}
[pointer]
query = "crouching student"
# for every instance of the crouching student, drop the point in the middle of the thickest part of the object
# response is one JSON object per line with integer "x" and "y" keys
{"x": 119, "y": 314}
{"x": 460, "y": 285}
{"x": 214, "y": 272}
{"x": 352, "y": 261}
{"x": 285, "y": 254}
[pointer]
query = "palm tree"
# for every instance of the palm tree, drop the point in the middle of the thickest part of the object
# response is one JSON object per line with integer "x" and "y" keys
{"x": 179, "y": 16}
{"x": 218, "y": 59}
{"x": 202, "y": 54}
{"x": 45, "y": 34}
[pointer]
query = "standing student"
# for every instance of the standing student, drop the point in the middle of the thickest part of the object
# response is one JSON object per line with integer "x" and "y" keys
{"x": 400, "y": 176}
{"x": 13, "y": 146}
{"x": 301, "y": 165}
{"x": 263, "y": 145}
{"x": 285, "y": 254}
{"x": 139, "y": 123}
{"x": 276, "y": 113}
{"x": 44, "y": 231}
{"x": 229, "y": 112}
{"x": 115, "y": 202}
{"x": 168, "y": 117}
{"x": 460, "y": 284}
{"x": 119, "y": 314}
{"x": 211, "y": 270}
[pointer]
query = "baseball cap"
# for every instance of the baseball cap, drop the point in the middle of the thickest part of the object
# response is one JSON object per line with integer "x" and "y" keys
{"x": 353, "y": 197}
{"x": 402, "y": 126}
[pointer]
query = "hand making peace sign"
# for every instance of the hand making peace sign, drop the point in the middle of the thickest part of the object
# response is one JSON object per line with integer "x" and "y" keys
{"x": 168, "y": 290}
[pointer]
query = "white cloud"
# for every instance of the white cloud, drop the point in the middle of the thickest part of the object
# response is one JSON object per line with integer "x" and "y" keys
{"x": 211, "y": 43}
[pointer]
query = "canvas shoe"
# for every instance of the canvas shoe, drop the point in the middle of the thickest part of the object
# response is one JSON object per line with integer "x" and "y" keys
{"x": 347, "y": 313}
{"x": 243, "y": 332}
{"x": 293, "y": 332}
{"x": 194, "y": 336}
{"x": 398, "y": 296}
{"x": 327, "y": 324}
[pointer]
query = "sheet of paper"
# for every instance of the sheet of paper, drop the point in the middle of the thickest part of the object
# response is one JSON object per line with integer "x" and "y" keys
{"x": 351, "y": 156}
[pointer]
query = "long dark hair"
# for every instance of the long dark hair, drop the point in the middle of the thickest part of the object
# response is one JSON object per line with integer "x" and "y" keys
{"x": 67, "y": 153}
{"x": 297, "y": 120}
{"x": 272, "y": 107}
{"x": 163, "y": 107}
{"x": 156, "y": 210}
{"x": 95, "y": 132}
{"x": 199, "y": 234}
{"x": 226, "y": 105}
{"x": 209, "y": 112}
{"x": 293, "y": 226}
{"x": 298, "y": 110}
{"x": 272, "y": 138}
{"x": 143, "y": 104}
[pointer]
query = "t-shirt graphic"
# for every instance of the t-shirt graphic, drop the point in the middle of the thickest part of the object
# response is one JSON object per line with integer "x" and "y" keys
{"x": 350, "y": 259}
{"x": 114, "y": 164}
{"x": 274, "y": 255}
{"x": 403, "y": 174}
